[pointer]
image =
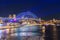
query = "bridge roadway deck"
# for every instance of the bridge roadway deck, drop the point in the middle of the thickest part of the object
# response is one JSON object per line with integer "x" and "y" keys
{"x": 17, "y": 26}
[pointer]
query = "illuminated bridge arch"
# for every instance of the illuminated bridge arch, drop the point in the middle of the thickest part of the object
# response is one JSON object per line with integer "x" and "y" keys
{"x": 26, "y": 14}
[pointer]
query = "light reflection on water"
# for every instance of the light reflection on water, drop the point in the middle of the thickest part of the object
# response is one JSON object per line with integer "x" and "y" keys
{"x": 24, "y": 31}
{"x": 28, "y": 31}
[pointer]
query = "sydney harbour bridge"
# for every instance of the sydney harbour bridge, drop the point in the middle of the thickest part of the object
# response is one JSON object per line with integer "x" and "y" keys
{"x": 27, "y": 26}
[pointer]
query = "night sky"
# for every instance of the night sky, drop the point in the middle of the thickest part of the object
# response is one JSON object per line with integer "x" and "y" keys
{"x": 46, "y": 9}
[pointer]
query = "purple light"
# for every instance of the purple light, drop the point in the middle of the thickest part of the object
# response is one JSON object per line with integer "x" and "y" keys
{"x": 14, "y": 19}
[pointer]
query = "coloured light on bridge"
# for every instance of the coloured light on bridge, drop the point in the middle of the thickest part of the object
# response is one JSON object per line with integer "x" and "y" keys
{"x": 14, "y": 16}
{"x": 10, "y": 16}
